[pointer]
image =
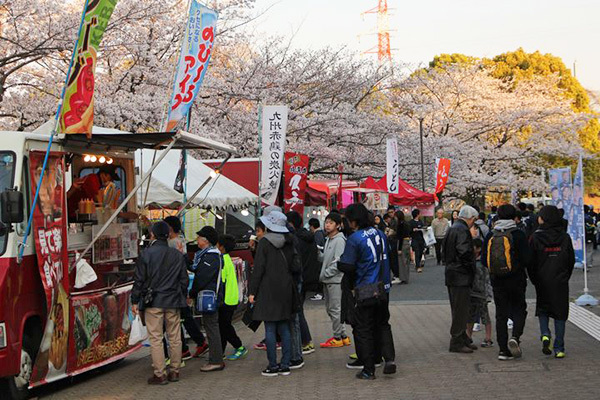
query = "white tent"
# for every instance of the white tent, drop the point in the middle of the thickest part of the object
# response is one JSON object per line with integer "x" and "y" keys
{"x": 219, "y": 193}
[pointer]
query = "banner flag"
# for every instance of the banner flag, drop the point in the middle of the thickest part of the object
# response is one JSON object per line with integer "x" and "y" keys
{"x": 180, "y": 178}
{"x": 50, "y": 233}
{"x": 393, "y": 172}
{"x": 577, "y": 217}
{"x": 296, "y": 175}
{"x": 560, "y": 188}
{"x": 193, "y": 61}
{"x": 77, "y": 114}
{"x": 443, "y": 171}
{"x": 273, "y": 129}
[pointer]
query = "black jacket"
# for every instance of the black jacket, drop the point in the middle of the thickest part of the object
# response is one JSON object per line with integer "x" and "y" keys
{"x": 271, "y": 281}
{"x": 206, "y": 273}
{"x": 311, "y": 268}
{"x": 459, "y": 255}
{"x": 165, "y": 268}
{"x": 550, "y": 271}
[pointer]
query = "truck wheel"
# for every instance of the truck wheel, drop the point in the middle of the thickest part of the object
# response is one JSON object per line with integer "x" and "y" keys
{"x": 17, "y": 387}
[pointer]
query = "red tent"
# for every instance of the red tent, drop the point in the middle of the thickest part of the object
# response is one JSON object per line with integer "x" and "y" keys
{"x": 407, "y": 195}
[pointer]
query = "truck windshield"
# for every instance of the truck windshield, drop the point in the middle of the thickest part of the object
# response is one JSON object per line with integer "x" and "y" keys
{"x": 7, "y": 175}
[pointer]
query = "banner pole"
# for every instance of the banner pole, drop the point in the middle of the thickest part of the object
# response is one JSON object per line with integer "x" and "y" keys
{"x": 23, "y": 244}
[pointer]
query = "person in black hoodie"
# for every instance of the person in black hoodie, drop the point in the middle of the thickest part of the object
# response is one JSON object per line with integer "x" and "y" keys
{"x": 509, "y": 288}
{"x": 550, "y": 271}
{"x": 207, "y": 269}
{"x": 307, "y": 249}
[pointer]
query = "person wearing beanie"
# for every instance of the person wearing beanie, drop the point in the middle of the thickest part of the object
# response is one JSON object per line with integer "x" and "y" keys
{"x": 163, "y": 270}
{"x": 550, "y": 271}
{"x": 331, "y": 277}
{"x": 459, "y": 257}
{"x": 207, "y": 269}
{"x": 507, "y": 256}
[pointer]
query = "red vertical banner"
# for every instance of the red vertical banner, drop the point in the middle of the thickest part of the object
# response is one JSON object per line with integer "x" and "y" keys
{"x": 339, "y": 188}
{"x": 443, "y": 170}
{"x": 50, "y": 232}
{"x": 296, "y": 174}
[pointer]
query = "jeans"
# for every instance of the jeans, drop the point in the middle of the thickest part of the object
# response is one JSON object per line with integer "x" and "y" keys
{"x": 271, "y": 330}
{"x": 296, "y": 338}
{"x": 304, "y": 330}
{"x": 509, "y": 297}
{"x": 460, "y": 304}
{"x": 373, "y": 335}
{"x": 559, "y": 328}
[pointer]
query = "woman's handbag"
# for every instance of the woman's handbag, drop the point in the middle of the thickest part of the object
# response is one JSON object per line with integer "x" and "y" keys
{"x": 207, "y": 301}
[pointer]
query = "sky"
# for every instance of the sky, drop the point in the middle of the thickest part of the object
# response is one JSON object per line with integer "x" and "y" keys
{"x": 420, "y": 30}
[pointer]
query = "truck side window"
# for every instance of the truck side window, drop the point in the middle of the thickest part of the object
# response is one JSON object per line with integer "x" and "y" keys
{"x": 26, "y": 189}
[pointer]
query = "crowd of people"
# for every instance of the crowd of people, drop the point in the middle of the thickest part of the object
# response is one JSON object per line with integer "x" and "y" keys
{"x": 352, "y": 263}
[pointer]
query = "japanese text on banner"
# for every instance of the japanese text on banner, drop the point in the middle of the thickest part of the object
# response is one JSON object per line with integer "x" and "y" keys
{"x": 273, "y": 130}
{"x": 392, "y": 166}
{"x": 443, "y": 171}
{"x": 193, "y": 61}
{"x": 296, "y": 173}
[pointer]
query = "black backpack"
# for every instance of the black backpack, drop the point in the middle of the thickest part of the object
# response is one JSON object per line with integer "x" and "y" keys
{"x": 501, "y": 258}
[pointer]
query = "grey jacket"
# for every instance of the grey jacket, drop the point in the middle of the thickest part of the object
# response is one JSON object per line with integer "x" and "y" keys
{"x": 332, "y": 252}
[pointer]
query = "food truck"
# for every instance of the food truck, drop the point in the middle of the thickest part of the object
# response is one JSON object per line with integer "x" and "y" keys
{"x": 53, "y": 323}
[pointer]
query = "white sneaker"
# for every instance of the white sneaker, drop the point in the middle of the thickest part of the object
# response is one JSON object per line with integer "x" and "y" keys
{"x": 317, "y": 297}
{"x": 509, "y": 323}
{"x": 396, "y": 281}
{"x": 476, "y": 327}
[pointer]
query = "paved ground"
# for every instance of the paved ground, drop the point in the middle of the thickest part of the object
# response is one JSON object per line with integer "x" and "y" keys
{"x": 420, "y": 322}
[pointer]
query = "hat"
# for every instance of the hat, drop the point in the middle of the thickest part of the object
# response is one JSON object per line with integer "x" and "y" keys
{"x": 275, "y": 221}
{"x": 110, "y": 170}
{"x": 209, "y": 233}
{"x": 160, "y": 230}
{"x": 269, "y": 209}
{"x": 550, "y": 215}
{"x": 467, "y": 212}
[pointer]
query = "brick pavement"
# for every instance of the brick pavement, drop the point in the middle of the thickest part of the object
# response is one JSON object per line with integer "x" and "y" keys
{"x": 426, "y": 369}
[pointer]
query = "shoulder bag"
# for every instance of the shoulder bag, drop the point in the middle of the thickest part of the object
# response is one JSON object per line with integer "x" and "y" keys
{"x": 207, "y": 301}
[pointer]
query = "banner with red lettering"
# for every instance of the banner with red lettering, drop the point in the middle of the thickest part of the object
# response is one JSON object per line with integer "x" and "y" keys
{"x": 50, "y": 232}
{"x": 193, "y": 62}
{"x": 443, "y": 171}
{"x": 296, "y": 175}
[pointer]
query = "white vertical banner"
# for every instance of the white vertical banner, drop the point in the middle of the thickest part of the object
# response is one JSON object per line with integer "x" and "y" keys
{"x": 392, "y": 166}
{"x": 273, "y": 128}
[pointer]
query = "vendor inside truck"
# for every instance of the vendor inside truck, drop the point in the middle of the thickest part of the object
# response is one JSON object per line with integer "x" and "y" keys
{"x": 89, "y": 187}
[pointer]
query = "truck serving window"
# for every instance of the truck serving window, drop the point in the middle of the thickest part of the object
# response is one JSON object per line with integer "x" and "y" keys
{"x": 120, "y": 185}
{"x": 7, "y": 177}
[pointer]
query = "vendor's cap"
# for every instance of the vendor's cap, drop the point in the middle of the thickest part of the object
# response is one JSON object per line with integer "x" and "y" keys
{"x": 160, "y": 230}
{"x": 275, "y": 221}
{"x": 110, "y": 170}
{"x": 209, "y": 233}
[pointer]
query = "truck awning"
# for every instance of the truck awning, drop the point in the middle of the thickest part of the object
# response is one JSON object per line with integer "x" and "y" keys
{"x": 154, "y": 141}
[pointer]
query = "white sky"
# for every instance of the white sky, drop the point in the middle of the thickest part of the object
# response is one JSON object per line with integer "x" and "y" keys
{"x": 569, "y": 29}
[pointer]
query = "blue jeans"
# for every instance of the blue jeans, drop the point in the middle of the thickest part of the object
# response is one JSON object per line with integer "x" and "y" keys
{"x": 296, "y": 338}
{"x": 271, "y": 330}
{"x": 559, "y": 327}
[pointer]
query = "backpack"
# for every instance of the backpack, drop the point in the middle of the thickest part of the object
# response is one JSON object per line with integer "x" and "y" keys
{"x": 501, "y": 258}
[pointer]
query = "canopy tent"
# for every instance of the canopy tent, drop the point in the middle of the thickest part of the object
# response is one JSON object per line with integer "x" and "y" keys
{"x": 219, "y": 193}
{"x": 319, "y": 190}
{"x": 406, "y": 196}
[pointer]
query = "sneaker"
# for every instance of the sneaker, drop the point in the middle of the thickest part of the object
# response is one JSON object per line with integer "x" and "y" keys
{"x": 239, "y": 353}
{"x": 487, "y": 343}
{"x": 200, "y": 350}
{"x": 173, "y": 376}
{"x": 309, "y": 348}
{"x": 182, "y": 365}
{"x": 155, "y": 380}
{"x": 186, "y": 355}
{"x": 346, "y": 340}
{"x": 353, "y": 356}
{"x": 317, "y": 297}
{"x": 464, "y": 350}
{"x": 332, "y": 343}
{"x": 505, "y": 355}
{"x": 284, "y": 371}
{"x": 270, "y": 371}
{"x": 396, "y": 281}
{"x": 296, "y": 364}
{"x": 514, "y": 347}
{"x": 278, "y": 345}
{"x": 213, "y": 367}
{"x": 546, "y": 345}
{"x": 369, "y": 376}
{"x": 476, "y": 327}
{"x": 260, "y": 346}
{"x": 472, "y": 346}
{"x": 419, "y": 270}
{"x": 389, "y": 368}
{"x": 167, "y": 362}
{"x": 356, "y": 364}
{"x": 560, "y": 354}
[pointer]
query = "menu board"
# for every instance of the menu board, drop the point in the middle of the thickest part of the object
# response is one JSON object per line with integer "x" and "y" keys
{"x": 118, "y": 242}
